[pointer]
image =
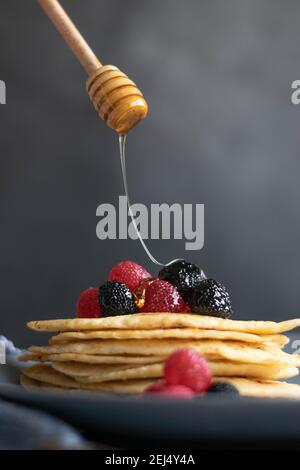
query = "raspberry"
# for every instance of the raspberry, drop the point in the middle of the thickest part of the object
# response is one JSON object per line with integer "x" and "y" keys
{"x": 87, "y": 305}
{"x": 161, "y": 296}
{"x": 187, "y": 367}
{"x": 176, "y": 391}
{"x": 156, "y": 386}
{"x": 129, "y": 273}
{"x": 116, "y": 299}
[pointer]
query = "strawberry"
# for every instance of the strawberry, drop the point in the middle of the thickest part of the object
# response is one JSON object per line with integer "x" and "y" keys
{"x": 161, "y": 296}
{"x": 187, "y": 367}
{"x": 128, "y": 273}
{"x": 88, "y": 304}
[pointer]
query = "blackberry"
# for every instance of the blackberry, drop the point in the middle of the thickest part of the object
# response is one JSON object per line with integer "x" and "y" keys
{"x": 211, "y": 298}
{"x": 184, "y": 276}
{"x": 116, "y": 299}
{"x": 224, "y": 387}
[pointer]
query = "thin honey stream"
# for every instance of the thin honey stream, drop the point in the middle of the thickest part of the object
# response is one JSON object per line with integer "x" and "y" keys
{"x": 122, "y": 146}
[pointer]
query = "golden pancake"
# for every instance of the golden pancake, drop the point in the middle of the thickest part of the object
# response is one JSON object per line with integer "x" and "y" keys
{"x": 91, "y": 358}
{"x": 164, "y": 320}
{"x": 180, "y": 333}
{"x": 230, "y": 350}
{"x": 263, "y": 388}
{"x": 105, "y": 374}
{"x": 47, "y": 375}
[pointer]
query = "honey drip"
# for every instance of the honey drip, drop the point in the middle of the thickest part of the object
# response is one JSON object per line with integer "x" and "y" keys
{"x": 122, "y": 145}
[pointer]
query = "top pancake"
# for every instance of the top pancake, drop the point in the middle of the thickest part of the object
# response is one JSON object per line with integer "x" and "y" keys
{"x": 164, "y": 320}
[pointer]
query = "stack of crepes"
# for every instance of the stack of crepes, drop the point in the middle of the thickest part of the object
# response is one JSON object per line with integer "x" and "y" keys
{"x": 126, "y": 353}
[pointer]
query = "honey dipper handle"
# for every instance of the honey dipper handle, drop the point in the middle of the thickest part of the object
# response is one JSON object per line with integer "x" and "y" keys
{"x": 71, "y": 35}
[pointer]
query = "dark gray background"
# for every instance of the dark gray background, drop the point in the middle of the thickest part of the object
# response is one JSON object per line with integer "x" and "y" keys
{"x": 221, "y": 131}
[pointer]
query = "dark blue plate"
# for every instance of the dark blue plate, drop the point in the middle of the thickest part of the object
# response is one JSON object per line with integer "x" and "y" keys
{"x": 212, "y": 420}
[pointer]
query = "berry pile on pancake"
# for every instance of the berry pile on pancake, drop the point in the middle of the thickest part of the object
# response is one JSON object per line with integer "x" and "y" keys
{"x": 129, "y": 330}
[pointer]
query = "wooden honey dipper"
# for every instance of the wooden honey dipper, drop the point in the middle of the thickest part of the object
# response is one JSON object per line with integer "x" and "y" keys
{"x": 116, "y": 98}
